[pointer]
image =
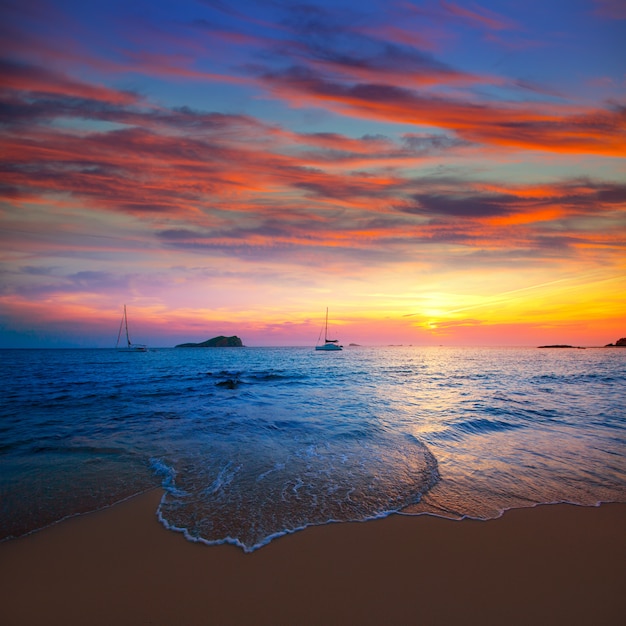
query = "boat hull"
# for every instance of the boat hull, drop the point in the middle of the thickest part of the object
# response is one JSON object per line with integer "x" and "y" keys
{"x": 329, "y": 347}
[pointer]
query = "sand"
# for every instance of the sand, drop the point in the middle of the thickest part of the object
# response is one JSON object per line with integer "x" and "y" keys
{"x": 556, "y": 564}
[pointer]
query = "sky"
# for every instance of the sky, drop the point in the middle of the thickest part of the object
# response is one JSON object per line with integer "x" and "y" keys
{"x": 434, "y": 172}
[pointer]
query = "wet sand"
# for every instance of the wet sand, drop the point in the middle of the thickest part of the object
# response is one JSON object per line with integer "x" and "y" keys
{"x": 556, "y": 564}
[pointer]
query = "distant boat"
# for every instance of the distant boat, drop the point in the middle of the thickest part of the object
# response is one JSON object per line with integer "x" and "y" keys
{"x": 133, "y": 347}
{"x": 329, "y": 345}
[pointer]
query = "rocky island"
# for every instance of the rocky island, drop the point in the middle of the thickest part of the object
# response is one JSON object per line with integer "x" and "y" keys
{"x": 216, "y": 342}
{"x": 620, "y": 343}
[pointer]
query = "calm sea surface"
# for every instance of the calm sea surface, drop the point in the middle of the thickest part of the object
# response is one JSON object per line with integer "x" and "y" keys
{"x": 252, "y": 443}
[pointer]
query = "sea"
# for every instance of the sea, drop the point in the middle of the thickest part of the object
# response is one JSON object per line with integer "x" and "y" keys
{"x": 252, "y": 443}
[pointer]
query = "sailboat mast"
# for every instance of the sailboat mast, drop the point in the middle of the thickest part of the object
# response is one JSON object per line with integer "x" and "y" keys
{"x": 126, "y": 324}
{"x": 326, "y": 327}
{"x": 119, "y": 334}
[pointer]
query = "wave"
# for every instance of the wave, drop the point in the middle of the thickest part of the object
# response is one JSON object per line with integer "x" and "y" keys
{"x": 249, "y": 499}
{"x": 483, "y": 425}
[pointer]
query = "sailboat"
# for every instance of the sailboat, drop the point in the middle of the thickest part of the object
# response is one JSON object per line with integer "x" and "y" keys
{"x": 329, "y": 345}
{"x": 133, "y": 347}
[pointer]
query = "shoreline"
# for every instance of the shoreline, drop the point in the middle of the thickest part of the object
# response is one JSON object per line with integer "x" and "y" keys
{"x": 557, "y": 564}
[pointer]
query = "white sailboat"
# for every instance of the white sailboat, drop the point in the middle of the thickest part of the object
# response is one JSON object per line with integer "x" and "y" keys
{"x": 133, "y": 347}
{"x": 329, "y": 345}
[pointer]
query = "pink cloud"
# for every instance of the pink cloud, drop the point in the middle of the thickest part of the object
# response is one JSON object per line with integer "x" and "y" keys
{"x": 31, "y": 78}
{"x": 477, "y": 15}
{"x": 610, "y": 9}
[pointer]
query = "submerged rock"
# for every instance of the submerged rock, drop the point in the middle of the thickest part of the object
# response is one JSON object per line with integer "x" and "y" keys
{"x": 229, "y": 383}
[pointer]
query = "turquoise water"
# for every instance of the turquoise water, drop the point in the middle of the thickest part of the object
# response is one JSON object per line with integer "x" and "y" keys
{"x": 251, "y": 443}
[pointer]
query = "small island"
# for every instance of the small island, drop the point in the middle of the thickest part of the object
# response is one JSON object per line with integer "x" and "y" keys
{"x": 620, "y": 343}
{"x": 562, "y": 345}
{"x": 215, "y": 342}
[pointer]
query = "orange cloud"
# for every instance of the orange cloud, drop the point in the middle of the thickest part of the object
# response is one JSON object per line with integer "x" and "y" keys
{"x": 563, "y": 129}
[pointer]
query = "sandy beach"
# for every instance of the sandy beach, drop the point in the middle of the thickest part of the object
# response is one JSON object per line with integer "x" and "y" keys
{"x": 556, "y": 564}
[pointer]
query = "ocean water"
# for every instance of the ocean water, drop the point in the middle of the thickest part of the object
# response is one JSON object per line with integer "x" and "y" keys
{"x": 253, "y": 443}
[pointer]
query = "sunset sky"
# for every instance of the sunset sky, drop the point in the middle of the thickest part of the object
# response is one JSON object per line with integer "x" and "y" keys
{"x": 434, "y": 172}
